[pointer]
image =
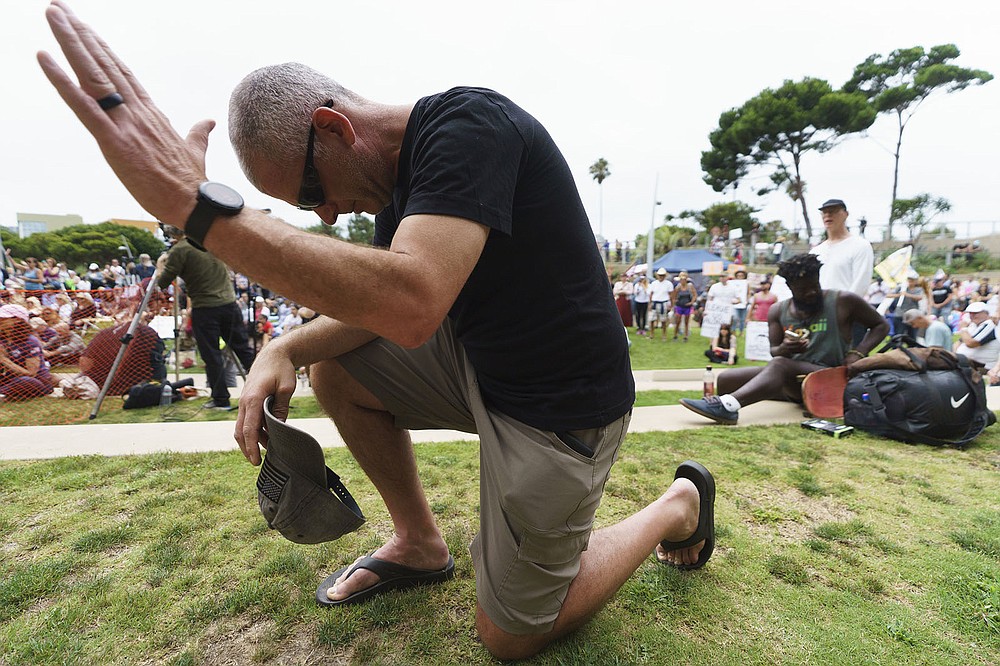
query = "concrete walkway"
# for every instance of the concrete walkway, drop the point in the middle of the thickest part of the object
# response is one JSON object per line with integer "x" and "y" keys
{"x": 31, "y": 442}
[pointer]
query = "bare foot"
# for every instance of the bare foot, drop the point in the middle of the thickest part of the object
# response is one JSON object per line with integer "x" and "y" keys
{"x": 428, "y": 557}
{"x": 683, "y": 496}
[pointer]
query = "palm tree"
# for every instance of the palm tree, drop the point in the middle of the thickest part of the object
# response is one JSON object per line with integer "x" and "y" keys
{"x": 599, "y": 171}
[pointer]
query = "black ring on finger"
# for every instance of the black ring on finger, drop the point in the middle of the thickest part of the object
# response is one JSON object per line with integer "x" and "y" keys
{"x": 109, "y": 102}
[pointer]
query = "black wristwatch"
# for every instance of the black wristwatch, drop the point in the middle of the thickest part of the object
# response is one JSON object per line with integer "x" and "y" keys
{"x": 214, "y": 199}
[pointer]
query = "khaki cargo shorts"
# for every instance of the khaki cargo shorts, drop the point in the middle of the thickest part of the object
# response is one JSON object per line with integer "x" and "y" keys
{"x": 538, "y": 489}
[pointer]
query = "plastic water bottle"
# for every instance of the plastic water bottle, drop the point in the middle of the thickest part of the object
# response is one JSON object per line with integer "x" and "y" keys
{"x": 708, "y": 383}
{"x": 166, "y": 396}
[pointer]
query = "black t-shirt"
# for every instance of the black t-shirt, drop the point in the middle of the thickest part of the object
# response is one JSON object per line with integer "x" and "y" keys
{"x": 939, "y": 294}
{"x": 536, "y": 316}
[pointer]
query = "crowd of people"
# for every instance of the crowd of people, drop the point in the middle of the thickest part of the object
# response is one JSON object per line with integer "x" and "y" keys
{"x": 50, "y": 315}
{"x": 472, "y": 195}
{"x": 50, "y": 276}
{"x": 667, "y": 302}
{"x": 928, "y": 308}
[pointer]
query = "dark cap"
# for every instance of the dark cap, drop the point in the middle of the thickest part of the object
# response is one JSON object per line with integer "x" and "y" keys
{"x": 294, "y": 487}
{"x": 833, "y": 203}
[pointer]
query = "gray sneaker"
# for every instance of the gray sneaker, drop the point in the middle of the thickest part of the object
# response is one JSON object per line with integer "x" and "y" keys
{"x": 712, "y": 408}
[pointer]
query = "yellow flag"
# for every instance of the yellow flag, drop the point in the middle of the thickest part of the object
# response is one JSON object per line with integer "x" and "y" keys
{"x": 893, "y": 269}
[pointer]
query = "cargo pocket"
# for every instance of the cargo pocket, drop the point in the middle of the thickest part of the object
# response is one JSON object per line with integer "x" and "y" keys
{"x": 536, "y": 584}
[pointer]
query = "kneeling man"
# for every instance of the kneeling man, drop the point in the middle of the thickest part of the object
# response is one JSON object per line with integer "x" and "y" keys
{"x": 808, "y": 332}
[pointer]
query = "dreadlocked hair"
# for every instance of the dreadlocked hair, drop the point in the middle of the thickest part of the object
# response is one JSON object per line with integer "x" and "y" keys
{"x": 799, "y": 266}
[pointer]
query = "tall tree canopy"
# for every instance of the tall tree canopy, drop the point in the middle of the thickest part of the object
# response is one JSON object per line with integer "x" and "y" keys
{"x": 775, "y": 129}
{"x": 899, "y": 82}
{"x": 81, "y": 244}
{"x": 666, "y": 237}
{"x": 360, "y": 229}
{"x": 735, "y": 214}
{"x": 599, "y": 171}
{"x": 918, "y": 212}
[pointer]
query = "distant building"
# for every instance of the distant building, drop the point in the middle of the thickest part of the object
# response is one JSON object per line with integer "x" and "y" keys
{"x": 151, "y": 227}
{"x": 34, "y": 223}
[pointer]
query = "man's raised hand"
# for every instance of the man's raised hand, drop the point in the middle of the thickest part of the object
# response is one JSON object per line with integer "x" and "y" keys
{"x": 159, "y": 168}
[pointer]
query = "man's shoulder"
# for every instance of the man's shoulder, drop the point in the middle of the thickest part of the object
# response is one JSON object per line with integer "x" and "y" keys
{"x": 465, "y": 101}
{"x": 850, "y": 243}
{"x": 858, "y": 244}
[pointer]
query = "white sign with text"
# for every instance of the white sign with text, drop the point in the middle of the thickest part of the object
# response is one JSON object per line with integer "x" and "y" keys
{"x": 758, "y": 345}
{"x": 716, "y": 314}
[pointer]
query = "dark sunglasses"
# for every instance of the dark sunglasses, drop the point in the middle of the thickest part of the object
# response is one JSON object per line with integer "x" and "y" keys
{"x": 311, "y": 194}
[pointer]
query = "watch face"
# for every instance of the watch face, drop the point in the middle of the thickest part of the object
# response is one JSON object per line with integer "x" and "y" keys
{"x": 221, "y": 195}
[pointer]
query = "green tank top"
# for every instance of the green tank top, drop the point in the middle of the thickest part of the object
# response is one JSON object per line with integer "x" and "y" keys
{"x": 826, "y": 346}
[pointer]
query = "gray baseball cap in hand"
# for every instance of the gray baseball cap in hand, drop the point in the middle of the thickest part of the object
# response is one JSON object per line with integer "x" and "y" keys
{"x": 298, "y": 494}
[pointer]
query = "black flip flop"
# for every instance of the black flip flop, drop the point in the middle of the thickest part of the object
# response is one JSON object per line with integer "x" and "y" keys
{"x": 703, "y": 481}
{"x": 392, "y": 577}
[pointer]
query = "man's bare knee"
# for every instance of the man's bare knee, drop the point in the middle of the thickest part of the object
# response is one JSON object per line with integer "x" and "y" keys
{"x": 506, "y": 646}
{"x": 335, "y": 388}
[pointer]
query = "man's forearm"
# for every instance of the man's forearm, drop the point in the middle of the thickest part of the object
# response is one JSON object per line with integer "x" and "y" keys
{"x": 277, "y": 255}
{"x": 320, "y": 340}
{"x": 872, "y": 338}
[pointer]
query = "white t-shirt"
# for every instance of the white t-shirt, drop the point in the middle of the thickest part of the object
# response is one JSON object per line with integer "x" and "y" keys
{"x": 660, "y": 289}
{"x": 989, "y": 347}
{"x": 641, "y": 293}
{"x": 847, "y": 264}
{"x": 875, "y": 294}
{"x": 740, "y": 287}
{"x": 724, "y": 293}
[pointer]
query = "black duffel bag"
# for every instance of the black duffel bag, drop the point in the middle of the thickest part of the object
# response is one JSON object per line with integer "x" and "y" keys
{"x": 942, "y": 403}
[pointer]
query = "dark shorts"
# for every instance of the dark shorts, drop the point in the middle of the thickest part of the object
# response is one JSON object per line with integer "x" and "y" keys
{"x": 682, "y": 310}
{"x": 539, "y": 490}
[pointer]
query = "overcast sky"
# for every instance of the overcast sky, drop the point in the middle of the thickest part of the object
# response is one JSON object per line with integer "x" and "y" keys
{"x": 638, "y": 83}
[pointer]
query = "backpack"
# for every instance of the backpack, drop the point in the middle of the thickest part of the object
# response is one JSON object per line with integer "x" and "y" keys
{"x": 929, "y": 396}
{"x": 147, "y": 394}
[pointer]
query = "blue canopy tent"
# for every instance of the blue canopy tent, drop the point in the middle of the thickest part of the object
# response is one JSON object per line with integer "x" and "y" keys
{"x": 691, "y": 261}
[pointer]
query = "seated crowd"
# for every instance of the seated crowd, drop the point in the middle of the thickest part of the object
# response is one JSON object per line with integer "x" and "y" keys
{"x": 62, "y": 307}
{"x": 54, "y": 321}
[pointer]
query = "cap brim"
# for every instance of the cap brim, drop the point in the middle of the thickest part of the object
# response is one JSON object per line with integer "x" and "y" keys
{"x": 294, "y": 447}
{"x": 298, "y": 494}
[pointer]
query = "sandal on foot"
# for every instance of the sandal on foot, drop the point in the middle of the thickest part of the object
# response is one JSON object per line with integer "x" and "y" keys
{"x": 703, "y": 481}
{"x": 392, "y": 577}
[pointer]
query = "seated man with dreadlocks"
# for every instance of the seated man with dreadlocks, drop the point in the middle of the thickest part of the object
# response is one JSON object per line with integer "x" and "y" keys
{"x": 810, "y": 331}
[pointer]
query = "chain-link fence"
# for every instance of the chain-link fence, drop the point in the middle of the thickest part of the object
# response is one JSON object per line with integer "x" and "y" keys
{"x": 58, "y": 348}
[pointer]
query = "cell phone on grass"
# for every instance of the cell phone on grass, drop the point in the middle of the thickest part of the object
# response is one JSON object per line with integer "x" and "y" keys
{"x": 835, "y": 430}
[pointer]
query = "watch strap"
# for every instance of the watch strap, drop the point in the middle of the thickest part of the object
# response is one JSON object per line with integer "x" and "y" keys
{"x": 207, "y": 209}
{"x": 199, "y": 222}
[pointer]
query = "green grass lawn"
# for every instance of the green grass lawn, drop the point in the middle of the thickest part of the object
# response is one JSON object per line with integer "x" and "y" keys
{"x": 646, "y": 354}
{"x": 51, "y": 411}
{"x": 829, "y": 552}
{"x": 655, "y": 354}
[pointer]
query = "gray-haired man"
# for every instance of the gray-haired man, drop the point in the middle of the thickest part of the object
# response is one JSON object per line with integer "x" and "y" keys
{"x": 472, "y": 196}
{"x": 936, "y": 332}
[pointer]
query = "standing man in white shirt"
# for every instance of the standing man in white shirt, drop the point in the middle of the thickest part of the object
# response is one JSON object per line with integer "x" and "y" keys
{"x": 848, "y": 260}
{"x": 723, "y": 292}
{"x": 660, "y": 291}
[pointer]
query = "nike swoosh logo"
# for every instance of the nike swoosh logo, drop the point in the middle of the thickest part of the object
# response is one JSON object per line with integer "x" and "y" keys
{"x": 958, "y": 403}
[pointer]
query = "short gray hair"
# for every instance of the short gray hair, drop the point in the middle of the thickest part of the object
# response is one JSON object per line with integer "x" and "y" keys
{"x": 271, "y": 109}
{"x": 910, "y": 315}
